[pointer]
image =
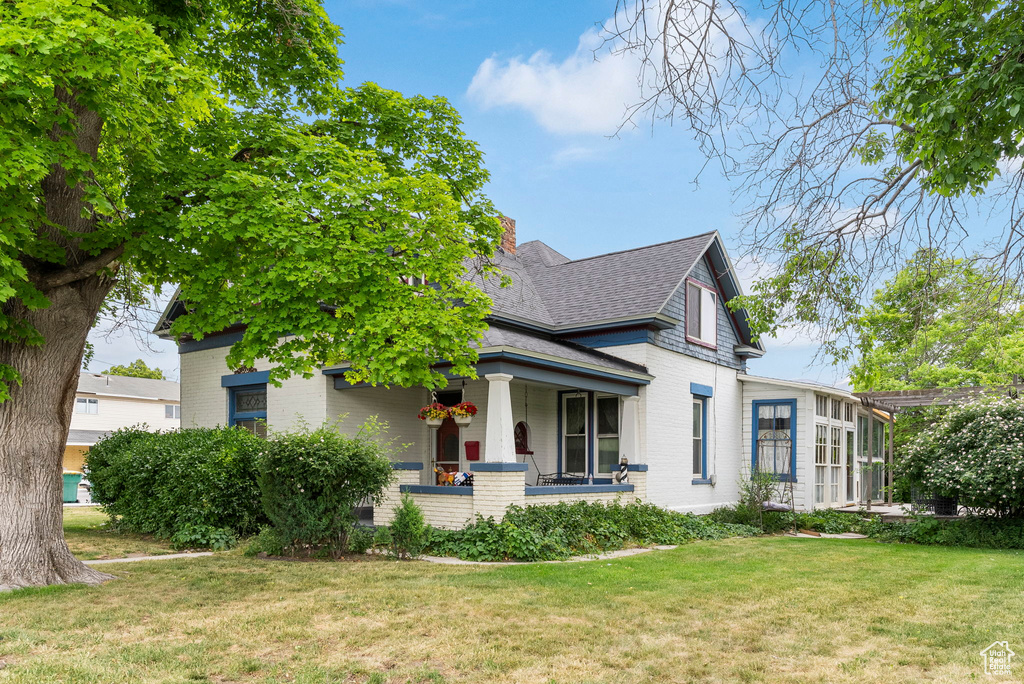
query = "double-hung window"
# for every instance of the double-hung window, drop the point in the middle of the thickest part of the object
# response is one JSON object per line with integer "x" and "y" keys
{"x": 820, "y": 461}
{"x": 575, "y": 433}
{"x": 84, "y": 405}
{"x": 774, "y": 438}
{"x": 701, "y": 314}
{"x": 699, "y": 443}
{"x": 248, "y": 408}
{"x": 607, "y": 434}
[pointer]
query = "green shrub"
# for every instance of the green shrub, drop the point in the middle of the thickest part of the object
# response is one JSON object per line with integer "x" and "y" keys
{"x": 360, "y": 539}
{"x": 268, "y": 541}
{"x": 974, "y": 452}
{"x": 179, "y": 485}
{"x": 382, "y": 538}
{"x": 972, "y": 532}
{"x": 311, "y": 482}
{"x": 409, "y": 533}
{"x": 558, "y": 531}
{"x": 191, "y": 536}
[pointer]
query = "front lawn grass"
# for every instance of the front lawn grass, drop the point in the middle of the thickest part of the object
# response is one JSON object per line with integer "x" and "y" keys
{"x": 89, "y": 539}
{"x": 739, "y": 610}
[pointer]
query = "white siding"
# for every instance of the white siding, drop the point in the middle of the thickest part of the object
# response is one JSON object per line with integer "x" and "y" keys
{"x": 667, "y": 429}
{"x": 204, "y": 403}
{"x": 118, "y": 412}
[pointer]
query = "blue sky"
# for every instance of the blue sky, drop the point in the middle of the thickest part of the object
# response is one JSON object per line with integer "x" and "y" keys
{"x": 545, "y": 114}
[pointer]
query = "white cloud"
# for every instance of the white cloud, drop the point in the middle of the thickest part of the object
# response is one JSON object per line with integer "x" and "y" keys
{"x": 574, "y": 153}
{"x": 582, "y": 94}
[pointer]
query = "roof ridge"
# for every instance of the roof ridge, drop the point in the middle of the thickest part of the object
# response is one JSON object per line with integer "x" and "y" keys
{"x": 637, "y": 249}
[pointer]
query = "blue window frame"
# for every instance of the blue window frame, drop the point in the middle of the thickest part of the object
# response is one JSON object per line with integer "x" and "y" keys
{"x": 247, "y": 408}
{"x": 700, "y": 440}
{"x": 701, "y": 397}
{"x": 773, "y": 438}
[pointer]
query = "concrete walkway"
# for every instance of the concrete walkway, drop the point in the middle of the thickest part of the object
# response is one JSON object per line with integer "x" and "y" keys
{"x": 167, "y": 556}
{"x": 823, "y": 535}
{"x": 621, "y": 553}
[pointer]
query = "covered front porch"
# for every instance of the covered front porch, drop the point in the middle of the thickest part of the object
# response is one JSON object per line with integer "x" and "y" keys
{"x": 546, "y": 431}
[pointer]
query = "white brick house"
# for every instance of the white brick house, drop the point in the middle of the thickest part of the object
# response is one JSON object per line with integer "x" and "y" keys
{"x": 628, "y": 356}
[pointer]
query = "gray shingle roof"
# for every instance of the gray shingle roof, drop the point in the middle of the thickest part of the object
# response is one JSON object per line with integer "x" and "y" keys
{"x": 629, "y": 283}
{"x": 502, "y": 336}
{"x": 144, "y": 388}
{"x": 85, "y": 437}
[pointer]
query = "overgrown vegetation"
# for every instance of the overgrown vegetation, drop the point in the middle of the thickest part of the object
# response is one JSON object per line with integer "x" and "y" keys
{"x": 312, "y": 480}
{"x": 196, "y": 487}
{"x": 559, "y": 531}
{"x": 827, "y": 520}
{"x": 969, "y": 532}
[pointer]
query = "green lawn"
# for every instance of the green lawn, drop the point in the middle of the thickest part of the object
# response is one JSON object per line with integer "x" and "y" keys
{"x": 88, "y": 538}
{"x": 744, "y": 610}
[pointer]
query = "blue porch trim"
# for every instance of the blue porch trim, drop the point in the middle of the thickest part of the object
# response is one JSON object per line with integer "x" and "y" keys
{"x": 406, "y": 465}
{"x": 637, "y": 467}
{"x": 500, "y": 467}
{"x": 615, "y": 339}
{"x": 578, "y": 489}
{"x": 699, "y": 390}
{"x": 538, "y": 370}
{"x": 239, "y": 379}
{"x": 210, "y": 342}
{"x": 436, "y": 489}
{"x": 792, "y": 435}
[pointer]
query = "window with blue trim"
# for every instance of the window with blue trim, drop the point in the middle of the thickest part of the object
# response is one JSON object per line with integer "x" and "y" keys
{"x": 248, "y": 408}
{"x": 775, "y": 438}
{"x": 700, "y": 442}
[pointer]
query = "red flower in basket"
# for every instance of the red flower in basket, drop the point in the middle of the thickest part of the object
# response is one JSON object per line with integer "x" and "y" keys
{"x": 466, "y": 409}
{"x": 434, "y": 411}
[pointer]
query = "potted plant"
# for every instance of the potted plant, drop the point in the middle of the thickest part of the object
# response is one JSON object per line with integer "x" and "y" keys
{"x": 434, "y": 414}
{"x": 463, "y": 413}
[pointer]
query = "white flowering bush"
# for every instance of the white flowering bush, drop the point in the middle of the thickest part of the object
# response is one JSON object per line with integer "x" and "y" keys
{"x": 975, "y": 453}
{"x": 311, "y": 482}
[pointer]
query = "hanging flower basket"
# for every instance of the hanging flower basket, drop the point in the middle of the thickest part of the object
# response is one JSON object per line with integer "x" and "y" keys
{"x": 434, "y": 414}
{"x": 463, "y": 413}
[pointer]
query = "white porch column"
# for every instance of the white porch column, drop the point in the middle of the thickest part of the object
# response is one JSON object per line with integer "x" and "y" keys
{"x": 499, "y": 442}
{"x": 629, "y": 435}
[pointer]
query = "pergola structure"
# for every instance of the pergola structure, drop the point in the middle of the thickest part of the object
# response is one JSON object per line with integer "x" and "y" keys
{"x": 899, "y": 400}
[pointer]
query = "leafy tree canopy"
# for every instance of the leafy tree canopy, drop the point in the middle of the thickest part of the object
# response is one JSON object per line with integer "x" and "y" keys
{"x": 137, "y": 369}
{"x": 209, "y": 145}
{"x": 859, "y": 133}
{"x": 940, "y": 322}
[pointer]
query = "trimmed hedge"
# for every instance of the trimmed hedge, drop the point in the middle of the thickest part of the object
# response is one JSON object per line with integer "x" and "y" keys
{"x": 195, "y": 486}
{"x": 559, "y": 531}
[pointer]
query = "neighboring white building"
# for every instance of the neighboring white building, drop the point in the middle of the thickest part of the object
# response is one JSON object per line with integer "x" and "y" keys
{"x": 631, "y": 355}
{"x": 104, "y": 403}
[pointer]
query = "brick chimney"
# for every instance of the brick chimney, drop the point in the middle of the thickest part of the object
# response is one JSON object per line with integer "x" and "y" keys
{"x": 508, "y": 238}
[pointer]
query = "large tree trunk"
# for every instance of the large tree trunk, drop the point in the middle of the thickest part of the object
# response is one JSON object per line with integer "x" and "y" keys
{"x": 34, "y": 421}
{"x": 33, "y": 430}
